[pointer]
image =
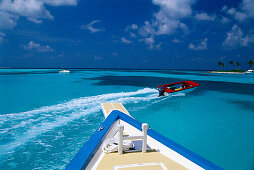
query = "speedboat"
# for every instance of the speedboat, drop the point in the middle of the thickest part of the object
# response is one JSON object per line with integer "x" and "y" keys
{"x": 64, "y": 71}
{"x": 249, "y": 71}
{"x": 183, "y": 86}
{"x": 121, "y": 142}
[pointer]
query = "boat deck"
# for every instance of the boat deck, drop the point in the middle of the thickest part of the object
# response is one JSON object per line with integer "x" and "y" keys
{"x": 151, "y": 160}
{"x": 107, "y": 108}
{"x": 138, "y": 160}
{"x": 151, "y": 151}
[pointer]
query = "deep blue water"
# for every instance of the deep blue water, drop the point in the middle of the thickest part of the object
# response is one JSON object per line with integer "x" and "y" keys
{"x": 45, "y": 118}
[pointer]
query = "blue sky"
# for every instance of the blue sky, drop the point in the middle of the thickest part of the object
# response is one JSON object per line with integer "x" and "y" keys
{"x": 157, "y": 34}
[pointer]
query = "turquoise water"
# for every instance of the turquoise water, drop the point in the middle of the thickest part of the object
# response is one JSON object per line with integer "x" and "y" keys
{"x": 45, "y": 118}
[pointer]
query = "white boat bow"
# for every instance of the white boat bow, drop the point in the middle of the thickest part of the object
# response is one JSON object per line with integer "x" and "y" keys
{"x": 151, "y": 150}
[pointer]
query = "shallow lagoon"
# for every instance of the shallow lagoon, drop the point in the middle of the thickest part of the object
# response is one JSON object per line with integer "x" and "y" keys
{"x": 45, "y": 118}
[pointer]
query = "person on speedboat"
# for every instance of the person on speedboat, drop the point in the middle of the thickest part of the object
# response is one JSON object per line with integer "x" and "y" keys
{"x": 184, "y": 85}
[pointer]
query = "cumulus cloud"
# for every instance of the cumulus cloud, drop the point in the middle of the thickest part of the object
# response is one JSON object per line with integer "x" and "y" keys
{"x": 237, "y": 15}
{"x": 165, "y": 21}
{"x": 184, "y": 27}
{"x": 169, "y": 16}
{"x": 2, "y": 37}
{"x": 91, "y": 27}
{"x": 134, "y": 26}
{"x": 236, "y": 37}
{"x": 243, "y": 12}
{"x": 124, "y": 40}
{"x": 150, "y": 42}
{"x": 7, "y": 20}
{"x": 38, "y": 47}
{"x": 132, "y": 35}
{"x": 175, "y": 40}
{"x": 204, "y": 17}
{"x": 33, "y": 10}
{"x": 225, "y": 20}
{"x": 201, "y": 46}
{"x": 37, "y": 21}
{"x": 247, "y": 6}
{"x": 60, "y": 2}
{"x": 131, "y": 27}
{"x": 147, "y": 29}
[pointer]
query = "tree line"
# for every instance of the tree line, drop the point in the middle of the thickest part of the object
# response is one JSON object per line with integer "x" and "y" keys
{"x": 237, "y": 64}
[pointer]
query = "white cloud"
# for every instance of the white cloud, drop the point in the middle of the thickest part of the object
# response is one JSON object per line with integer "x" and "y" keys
{"x": 124, "y": 40}
{"x": 150, "y": 42}
{"x": 236, "y": 37}
{"x": 134, "y": 26}
{"x": 205, "y": 17}
{"x": 201, "y": 46}
{"x": 97, "y": 58}
{"x": 231, "y": 11}
{"x": 33, "y": 10}
{"x": 7, "y": 20}
{"x": 224, "y": 8}
{"x": 243, "y": 12}
{"x": 184, "y": 27}
{"x": 238, "y": 15}
{"x": 91, "y": 27}
{"x": 177, "y": 41}
{"x": 225, "y": 20}
{"x": 167, "y": 19}
{"x": 247, "y": 6}
{"x": 2, "y": 34}
{"x": 131, "y": 27}
{"x": 60, "y": 2}
{"x": 2, "y": 37}
{"x": 34, "y": 46}
{"x": 132, "y": 35}
{"x": 147, "y": 29}
{"x": 37, "y": 21}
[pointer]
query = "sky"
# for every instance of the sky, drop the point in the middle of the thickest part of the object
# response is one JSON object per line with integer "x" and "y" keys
{"x": 140, "y": 34}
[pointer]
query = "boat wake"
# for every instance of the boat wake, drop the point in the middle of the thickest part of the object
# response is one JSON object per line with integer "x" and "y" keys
{"x": 18, "y": 128}
{"x": 54, "y": 128}
{"x": 178, "y": 94}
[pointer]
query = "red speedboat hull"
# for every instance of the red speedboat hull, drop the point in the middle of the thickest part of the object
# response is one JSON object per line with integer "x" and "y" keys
{"x": 183, "y": 86}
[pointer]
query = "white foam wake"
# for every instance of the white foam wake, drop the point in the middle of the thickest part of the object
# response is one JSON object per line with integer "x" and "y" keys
{"x": 25, "y": 126}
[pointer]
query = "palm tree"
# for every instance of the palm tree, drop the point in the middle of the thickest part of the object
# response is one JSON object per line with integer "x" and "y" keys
{"x": 232, "y": 63}
{"x": 221, "y": 64}
{"x": 250, "y": 62}
{"x": 238, "y": 64}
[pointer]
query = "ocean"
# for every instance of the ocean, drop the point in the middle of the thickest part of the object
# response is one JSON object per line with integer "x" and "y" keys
{"x": 46, "y": 117}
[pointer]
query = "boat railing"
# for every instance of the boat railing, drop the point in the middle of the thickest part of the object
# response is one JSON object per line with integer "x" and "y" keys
{"x": 122, "y": 138}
